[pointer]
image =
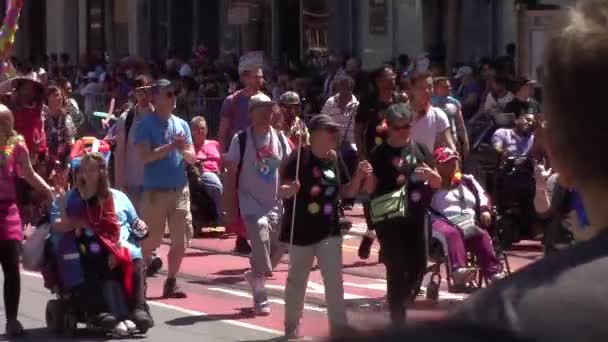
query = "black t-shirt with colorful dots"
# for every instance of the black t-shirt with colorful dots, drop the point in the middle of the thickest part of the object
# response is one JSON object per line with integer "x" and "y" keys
{"x": 316, "y": 202}
{"x": 394, "y": 167}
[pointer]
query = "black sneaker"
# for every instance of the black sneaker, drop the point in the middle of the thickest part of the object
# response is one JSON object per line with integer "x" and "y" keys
{"x": 242, "y": 246}
{"x": 14, "y": 328}
{"x": 154, "y": 266}
{"x": 171, "y": 290}
{"x": 142, "y": 319}
{"x": 365, "y": 247}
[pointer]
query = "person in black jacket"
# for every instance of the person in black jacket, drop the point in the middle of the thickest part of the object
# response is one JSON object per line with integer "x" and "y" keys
{"x": 402, "y": 170}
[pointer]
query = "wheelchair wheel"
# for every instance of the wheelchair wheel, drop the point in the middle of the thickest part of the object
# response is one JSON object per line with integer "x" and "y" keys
{"x": 506, "y": 232}
{"x": 432, "y": 288}
{"x": 70, "y": 323}
{"x": 53, "y": 316}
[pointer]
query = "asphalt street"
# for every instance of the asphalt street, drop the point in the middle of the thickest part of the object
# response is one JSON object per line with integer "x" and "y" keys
{"x": 172, "y": 323}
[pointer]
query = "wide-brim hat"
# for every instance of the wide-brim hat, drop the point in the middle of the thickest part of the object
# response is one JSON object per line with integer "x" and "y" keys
{"x": 30, "y": 77}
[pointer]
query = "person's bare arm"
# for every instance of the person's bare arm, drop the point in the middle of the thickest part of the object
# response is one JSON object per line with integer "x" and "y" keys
{"x": 31, "y": 176}
{"x": 149, "y": 155}
{"x": 189, "y": 154}
{"x": 461, "y": 130}
{"x": 359, "y": 140}
{"x": 222, "y": 135}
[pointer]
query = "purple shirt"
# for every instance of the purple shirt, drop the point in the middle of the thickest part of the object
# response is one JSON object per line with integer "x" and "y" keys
{"x": 235, "y": 110}
{"x": 505, "y": 139}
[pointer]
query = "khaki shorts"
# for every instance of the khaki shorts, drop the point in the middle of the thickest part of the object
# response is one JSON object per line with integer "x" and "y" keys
{"x": 164, "y": 208}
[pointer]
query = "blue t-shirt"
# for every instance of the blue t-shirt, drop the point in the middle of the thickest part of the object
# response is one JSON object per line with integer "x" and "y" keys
{"x": 125, "y": 214}
{"x": 168, "y": 173}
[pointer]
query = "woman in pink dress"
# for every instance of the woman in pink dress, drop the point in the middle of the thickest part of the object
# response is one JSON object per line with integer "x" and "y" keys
{"x": 14, "y": 163}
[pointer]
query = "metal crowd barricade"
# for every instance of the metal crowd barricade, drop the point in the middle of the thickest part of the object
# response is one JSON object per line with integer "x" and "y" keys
{"x": 209, "y": 108}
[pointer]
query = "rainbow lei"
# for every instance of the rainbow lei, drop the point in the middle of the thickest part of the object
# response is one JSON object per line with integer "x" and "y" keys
{"x": 457, "y": 179}
{"x": 8, "y": 31}
{"x": 7, "y": 150}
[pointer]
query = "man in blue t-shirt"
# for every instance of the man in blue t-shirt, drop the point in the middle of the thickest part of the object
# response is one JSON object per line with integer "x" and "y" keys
{"x": 165, "y": 145}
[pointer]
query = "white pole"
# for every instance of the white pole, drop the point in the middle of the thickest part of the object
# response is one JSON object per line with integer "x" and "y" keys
{"x": 293, "y": 209}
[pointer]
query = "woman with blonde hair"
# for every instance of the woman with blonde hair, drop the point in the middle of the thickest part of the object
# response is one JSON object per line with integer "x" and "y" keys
{"x": 14, "y": 163}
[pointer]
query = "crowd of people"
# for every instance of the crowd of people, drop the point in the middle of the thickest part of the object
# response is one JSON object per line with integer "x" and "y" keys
{"x": 291, "y": 156}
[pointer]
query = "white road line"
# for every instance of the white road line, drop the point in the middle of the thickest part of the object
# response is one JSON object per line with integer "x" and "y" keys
{"x": 272, "y": 300}
{"x": 382, "y": 288}
{"x": 314, "y": 288}
{"x": 190, "y": 312}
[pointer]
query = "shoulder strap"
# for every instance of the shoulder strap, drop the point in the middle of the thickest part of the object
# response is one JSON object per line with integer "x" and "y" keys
{"x": 282, "y": 141}
{"x": 129, "y": 122}
{"x": 242, "y": 137}
{"x": 468, "y": 183}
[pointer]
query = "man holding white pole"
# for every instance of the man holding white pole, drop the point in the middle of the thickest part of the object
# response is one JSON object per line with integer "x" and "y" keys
{"x": 310, "y": 223}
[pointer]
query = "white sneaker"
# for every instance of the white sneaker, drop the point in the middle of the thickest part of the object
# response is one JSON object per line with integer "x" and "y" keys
{"x": 131, "y": 327}
{"x": 120, "y": 330}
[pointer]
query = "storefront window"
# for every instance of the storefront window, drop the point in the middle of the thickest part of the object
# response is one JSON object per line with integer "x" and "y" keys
{"x": 95, "y": 28}
{"x": 246, "y": 28}
{"x": 315, "y": 23}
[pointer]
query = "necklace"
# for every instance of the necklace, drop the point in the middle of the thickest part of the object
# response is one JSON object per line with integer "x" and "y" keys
{"x": 7, "y": 150}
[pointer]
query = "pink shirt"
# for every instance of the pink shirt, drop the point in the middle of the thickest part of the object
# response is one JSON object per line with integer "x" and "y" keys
{"x": 208, "y": 154}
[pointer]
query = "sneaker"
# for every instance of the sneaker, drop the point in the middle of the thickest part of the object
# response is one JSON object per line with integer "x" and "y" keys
{"x": 463, "y": 276}
{"x": 242, "y": 246}
{"x": 131, "y": 327}
{"x": 262, "y": 308}
{"x": 172, "y": 290}
{"x": 14, "y": 328}
{"x": 154, "y": 266}
{"x": 142, "y": 319}
{"x": 498, "y": 276}
{"x": 120, "y": 330}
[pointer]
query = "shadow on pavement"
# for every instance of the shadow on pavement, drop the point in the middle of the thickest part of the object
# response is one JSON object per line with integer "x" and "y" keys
{"x": 191, "y": 320}
{"x": 234, "y": 272}
{"x": 83, "y": 335}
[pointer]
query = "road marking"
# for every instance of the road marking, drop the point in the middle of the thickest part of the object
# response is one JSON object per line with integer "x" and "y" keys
{"x": 382, "y": 287}
{"x": 190, "y": 312}
{"x": 314, "y": 288}
{"x": 272, "y": 300}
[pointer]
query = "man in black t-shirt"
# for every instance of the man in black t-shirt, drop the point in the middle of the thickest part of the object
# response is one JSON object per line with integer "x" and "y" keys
{"x": 563, "y": 297}
{"x": 523, "y": 102}
{"x": 310, "y": 221}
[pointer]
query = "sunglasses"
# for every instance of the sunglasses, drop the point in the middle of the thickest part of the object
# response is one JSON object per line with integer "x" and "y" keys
{"x": 401, "y": 127}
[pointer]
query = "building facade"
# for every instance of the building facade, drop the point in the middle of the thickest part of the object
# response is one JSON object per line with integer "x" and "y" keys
{"x": 285, "y": 30}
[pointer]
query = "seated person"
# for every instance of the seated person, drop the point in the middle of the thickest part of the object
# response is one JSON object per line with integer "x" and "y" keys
{"x": 107, "y": 230}
{"x": 461, "y": 195}
{"x": 208, "y": 156}
{"x": 516, "y": 141}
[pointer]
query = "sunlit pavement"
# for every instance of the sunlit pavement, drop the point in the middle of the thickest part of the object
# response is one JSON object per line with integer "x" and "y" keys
{"x": 218, "y": 307}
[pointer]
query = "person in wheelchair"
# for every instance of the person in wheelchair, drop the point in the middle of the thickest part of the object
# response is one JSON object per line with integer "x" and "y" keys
{"x": 460, "y": 214}
{"x": 516, "y": 141}
{"x": 108, "y": 232}
{"x": 208, "y": 161}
